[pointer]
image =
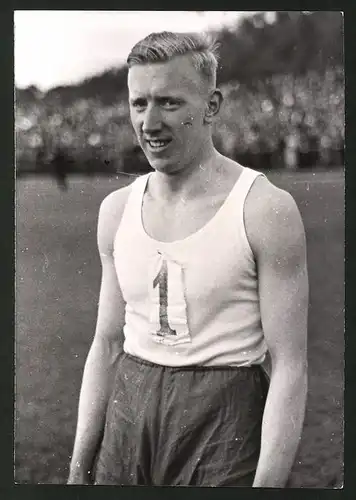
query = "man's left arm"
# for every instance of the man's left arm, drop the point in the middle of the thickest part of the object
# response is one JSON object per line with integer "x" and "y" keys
{"x": 278, "y": 240}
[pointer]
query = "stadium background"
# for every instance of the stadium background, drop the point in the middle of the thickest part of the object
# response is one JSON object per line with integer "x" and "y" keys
{"x": 282, "y": 77}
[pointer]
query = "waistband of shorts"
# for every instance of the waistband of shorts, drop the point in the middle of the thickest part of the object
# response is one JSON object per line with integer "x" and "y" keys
{"x": 201, "y": 368}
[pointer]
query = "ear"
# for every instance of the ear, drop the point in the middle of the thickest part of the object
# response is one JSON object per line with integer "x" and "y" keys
{"x": 213, "y": 105}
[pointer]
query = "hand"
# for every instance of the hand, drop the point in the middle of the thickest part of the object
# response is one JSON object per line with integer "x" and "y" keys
{"x": 79, "y": 476}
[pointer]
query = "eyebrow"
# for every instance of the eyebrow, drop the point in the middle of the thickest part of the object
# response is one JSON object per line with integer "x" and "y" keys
{"x": 175, "y": 96}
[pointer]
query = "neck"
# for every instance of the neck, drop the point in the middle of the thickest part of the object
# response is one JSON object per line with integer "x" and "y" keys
{"x": 190, "y": 180}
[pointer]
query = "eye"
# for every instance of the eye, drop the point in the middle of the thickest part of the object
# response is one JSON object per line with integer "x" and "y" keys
{"x": 170, "y": 103}
{"x": 138, "y": 104}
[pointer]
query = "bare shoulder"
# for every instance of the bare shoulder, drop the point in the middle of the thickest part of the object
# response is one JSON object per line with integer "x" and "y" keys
{"x": 265, "y": 196}
{"x": 110, "y": 214}
{"x": 114, "y": 203}
{"x": 272, "y": 218}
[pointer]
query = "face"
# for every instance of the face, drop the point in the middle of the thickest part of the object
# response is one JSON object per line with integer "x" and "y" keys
{"x": 168, "y": 103}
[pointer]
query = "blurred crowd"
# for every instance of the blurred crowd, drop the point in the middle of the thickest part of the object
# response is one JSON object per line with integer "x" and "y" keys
{"x": 281, "y": 122}
{"x": 285, "y": 121}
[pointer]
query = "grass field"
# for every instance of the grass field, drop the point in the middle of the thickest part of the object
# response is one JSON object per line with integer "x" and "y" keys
{"x": 57, "y": 284}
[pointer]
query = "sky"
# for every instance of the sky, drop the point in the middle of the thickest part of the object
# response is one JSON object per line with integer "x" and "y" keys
{"x": 62, "y": 47}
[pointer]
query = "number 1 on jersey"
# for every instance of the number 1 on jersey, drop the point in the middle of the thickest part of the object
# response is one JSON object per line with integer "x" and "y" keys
{"x": 161, "y": 280}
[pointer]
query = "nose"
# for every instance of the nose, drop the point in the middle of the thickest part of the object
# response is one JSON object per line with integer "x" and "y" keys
{"x": 152, "y": 120}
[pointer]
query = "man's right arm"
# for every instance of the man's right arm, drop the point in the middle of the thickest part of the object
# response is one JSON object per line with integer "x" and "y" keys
{"x": 101, "y": 363}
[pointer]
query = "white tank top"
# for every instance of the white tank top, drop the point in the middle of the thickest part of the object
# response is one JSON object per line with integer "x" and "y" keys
{"x": 192, "y": 301}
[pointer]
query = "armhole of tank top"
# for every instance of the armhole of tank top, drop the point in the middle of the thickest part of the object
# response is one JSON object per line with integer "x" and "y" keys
{"x": 132, "y": 204}
{"x": 246, "y": 190}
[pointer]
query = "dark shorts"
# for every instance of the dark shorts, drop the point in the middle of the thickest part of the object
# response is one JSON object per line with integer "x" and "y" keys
{"x": 182, "y": 426}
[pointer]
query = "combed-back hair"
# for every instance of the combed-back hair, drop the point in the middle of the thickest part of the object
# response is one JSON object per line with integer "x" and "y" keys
{"x": 163, "y": 46}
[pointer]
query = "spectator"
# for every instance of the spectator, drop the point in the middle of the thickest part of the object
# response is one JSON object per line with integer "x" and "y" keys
{"x": 60, "y": 163}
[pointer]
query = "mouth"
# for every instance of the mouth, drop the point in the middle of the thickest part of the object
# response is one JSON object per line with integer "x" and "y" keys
{"x": 157, "y": 145}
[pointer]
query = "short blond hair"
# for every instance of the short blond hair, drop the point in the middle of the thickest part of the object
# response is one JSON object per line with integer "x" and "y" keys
{"x": 163, "y": 46}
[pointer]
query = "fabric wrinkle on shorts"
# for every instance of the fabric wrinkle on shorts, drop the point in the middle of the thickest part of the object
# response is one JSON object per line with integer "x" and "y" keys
{"x": 182, "y": 425}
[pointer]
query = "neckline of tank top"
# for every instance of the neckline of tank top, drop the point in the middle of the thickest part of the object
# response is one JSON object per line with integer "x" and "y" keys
{"x": 203, "y": 228}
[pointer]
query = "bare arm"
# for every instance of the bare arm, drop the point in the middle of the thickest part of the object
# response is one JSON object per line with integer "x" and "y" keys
{"x": 100, "y": 366}
{"x": 277, "y": 237}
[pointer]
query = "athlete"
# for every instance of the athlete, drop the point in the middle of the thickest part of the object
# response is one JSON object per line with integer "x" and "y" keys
{"x": 203, "y": 274}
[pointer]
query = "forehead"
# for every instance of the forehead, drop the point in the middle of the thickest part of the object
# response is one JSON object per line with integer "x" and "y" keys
{"x": 177, "y": 75}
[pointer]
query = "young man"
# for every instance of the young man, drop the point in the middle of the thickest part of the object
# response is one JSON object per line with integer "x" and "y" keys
{"x": 203, "y": 270}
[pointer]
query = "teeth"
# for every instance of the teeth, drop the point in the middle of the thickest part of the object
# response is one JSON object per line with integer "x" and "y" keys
{"x": 157, "y": 144}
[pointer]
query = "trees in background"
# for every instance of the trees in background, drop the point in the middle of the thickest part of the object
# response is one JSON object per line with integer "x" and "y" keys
{"x": 295, "y": 43}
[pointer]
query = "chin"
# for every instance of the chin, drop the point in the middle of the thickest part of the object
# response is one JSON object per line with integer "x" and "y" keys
{"x": 165, "y": 167}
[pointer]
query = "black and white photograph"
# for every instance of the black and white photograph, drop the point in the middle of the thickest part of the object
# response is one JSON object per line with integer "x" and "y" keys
{"x": 179, "y": 265}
